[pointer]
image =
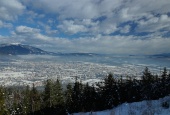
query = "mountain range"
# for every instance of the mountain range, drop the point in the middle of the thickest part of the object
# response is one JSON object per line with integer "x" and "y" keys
{"x": 162, "y": 55}
{"x": 20, "y": 49}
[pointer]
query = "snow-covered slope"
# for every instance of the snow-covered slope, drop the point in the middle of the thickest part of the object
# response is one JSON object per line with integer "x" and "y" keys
{"x": 153, "y": 107}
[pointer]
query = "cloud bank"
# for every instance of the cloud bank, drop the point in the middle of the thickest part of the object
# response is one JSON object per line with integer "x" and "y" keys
{"x": 99, "y": 26}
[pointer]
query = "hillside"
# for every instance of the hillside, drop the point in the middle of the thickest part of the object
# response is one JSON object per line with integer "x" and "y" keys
{"x": 19, "y": 49}
{"x": 147, "y": 107}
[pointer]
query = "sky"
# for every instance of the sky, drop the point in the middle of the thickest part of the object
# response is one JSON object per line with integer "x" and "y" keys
{"x": 88, "y": 26}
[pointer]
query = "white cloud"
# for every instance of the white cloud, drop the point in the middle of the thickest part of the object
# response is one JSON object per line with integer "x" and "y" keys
{"x": 48, "y": 27}
{"x": 5, "y": 25}
{"x": 2, "y": 39}
{"x": 81, "y": 13}
{"x": 50, "y": 21}
{"x": 1, "y": 23}
{"x": 33, "y": 15}
{"x": 118, "y": 44}
{"x": 154, "y": 24}
{"x": 108, "y": 29}
{"x": 164, "y": 18}
{"x": 154, "y": 6}
{"x": 26, "y": 30}
{"x": 71, "y": 27}
{"x": 30, "y": 35}
{"x": 89, "y": 9}
{"x": 67, "y": 8}
{"x": 88, "y": 26}
{"x": 116, "y": 12}
{"x": 80, "y": 9}
{"x": 80, "y": 26}
{"x": 6, "y": 39}
{"x": 51, "y": 32}
{"x": 125, "y": 29}
{"x": 96, "y": 18}
{"x": 10, "y": 9}
{"x": 89, "y": 22}
{"x": 112, "y": 44}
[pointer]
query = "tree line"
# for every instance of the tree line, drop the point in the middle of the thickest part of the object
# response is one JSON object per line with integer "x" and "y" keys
{"x": 78, "y": 97}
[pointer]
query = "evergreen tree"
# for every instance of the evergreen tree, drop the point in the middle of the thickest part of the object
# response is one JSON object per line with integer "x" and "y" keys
{"x": 57, "y": 94}
{"x": 47, "y": 94}
{"x": 68, "y": 97}
{"x": 147, "y": 76}
{"x": 17, "y": 107}
{"x": 110, "y": 93}
{"x": 168, "y": 83}
{"x": 133, "y": 90}
{"x": 58, "y": 98}
{"x": 35, "y": 99}
{"x": 26, "y": 101}
{"x": 89, "y": 98}
{"x": 3, "y": 109}
{"x": 163, "y": 82}
{"x": 147, "y": 80}
{"x": 164, "y": 74}
{"x": 77, "y": 96}
{"x": 53, "y": 98}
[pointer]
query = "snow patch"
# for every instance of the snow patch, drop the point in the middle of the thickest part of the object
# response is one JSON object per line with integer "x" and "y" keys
{"x": 147, "y": 107}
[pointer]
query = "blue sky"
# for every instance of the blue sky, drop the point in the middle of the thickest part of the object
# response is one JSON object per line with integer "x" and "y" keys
{"x": 98, "y": 26}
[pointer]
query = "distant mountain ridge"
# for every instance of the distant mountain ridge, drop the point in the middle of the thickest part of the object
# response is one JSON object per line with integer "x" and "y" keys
{"x": 163, "y": 55}
{"x": 20, "y": 49}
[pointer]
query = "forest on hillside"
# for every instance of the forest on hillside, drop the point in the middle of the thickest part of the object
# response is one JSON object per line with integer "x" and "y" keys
{"x": 78, "y": 97}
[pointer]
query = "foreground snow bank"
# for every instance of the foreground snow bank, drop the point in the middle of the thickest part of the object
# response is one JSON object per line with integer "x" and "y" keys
{"x": 153, "y": 107}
